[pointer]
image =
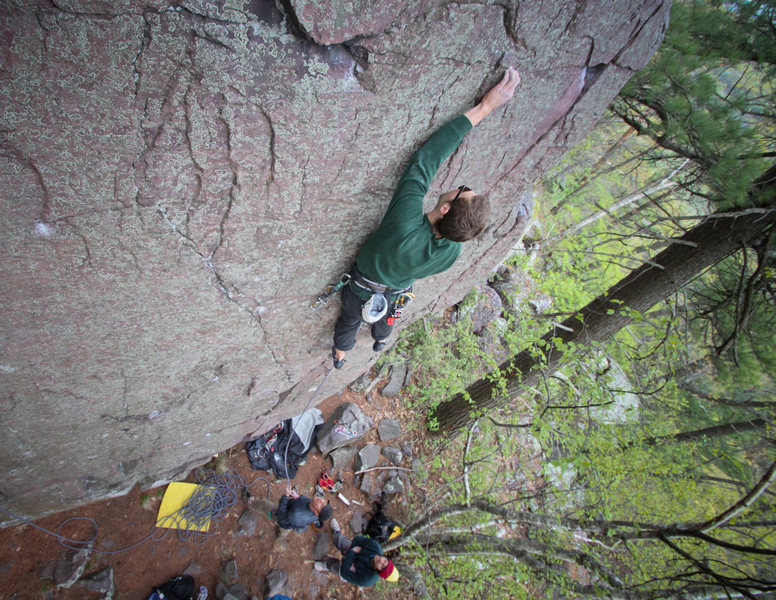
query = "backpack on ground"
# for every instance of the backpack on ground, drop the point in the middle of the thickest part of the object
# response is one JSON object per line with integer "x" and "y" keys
{"x": 380, "y": 526}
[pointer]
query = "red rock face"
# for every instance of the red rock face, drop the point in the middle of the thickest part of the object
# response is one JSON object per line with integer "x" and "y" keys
{"x": 178, "y": 185}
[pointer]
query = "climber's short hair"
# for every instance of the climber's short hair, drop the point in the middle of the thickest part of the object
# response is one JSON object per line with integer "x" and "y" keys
{"x": 465, "y": 220}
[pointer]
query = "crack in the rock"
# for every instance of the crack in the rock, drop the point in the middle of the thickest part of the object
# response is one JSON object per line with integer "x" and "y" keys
{"x": 273, "y": 156}
{"x": 204, "y": 18}
{"x": 579, "y": 6}
{"x": 230, "y": 294}
{"x": 634, "y": 36}
{"x": 98, "y": 15}
{"x": 501, "y": 162}
{"x": 125, "y": 390}
{"x": 304, "y": 177}
{"x": 87, "y": 259}
{"x": 511, "y": 20}
{"x": 12, "y": 152}
{"x": 408, "y": 61}
{"x": 166, "y": 114}
{"x": 552, "y": 20}
{"x": 251, "y": 385}
{"x": 234, "y": 185}
{"x": 293, "y": 25}
{"x": 137, "y": 62}
{"x": 198, "y": 170}
{"x": 210, "y": 38}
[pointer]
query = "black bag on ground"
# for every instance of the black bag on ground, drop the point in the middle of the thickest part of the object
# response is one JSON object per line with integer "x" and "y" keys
{"x": 380, "y": 526}
{"x": 177, "y": 588}
{"x": 279, "y": 450}
{"x": 283, "y": 448}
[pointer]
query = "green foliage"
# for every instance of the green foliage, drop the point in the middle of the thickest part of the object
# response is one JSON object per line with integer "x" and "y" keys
{"x": 603, "y": 441}
{"x": 701, "y": 97}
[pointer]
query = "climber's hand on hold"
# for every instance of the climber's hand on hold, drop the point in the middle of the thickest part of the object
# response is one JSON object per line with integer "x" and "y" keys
{"x": 499, "y": 94}
{"x": 503, "y": 91}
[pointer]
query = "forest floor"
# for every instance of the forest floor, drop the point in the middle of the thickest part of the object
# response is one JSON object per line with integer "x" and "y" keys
{"x": 29, "y": 558}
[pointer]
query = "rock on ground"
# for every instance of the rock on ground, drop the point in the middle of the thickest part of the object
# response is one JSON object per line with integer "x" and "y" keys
{"x": 368, "y": 457}
{"x": 347, "y": 424}
{"x": 388, "y": 429}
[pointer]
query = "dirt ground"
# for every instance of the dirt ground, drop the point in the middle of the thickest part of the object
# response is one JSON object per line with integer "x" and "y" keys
{"x": 28, "y": 556}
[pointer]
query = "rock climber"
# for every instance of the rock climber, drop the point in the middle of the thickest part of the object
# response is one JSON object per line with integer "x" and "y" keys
{"x": 297, "y": 512}
{"x": 409, "y": 245}
{"x": 362, "y": 560}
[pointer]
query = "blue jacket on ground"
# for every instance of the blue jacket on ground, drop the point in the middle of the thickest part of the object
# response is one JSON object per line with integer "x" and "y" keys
{"x": 295, "y": 513}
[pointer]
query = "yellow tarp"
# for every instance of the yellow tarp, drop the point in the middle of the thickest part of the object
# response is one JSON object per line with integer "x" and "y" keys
{"x": 177, "y": 494}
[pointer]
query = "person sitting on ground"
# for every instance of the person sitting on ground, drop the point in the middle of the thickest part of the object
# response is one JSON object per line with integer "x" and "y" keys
{"x": 362, "y": 560}
{"x": 409, "y": 245}
{"x": 297, "y": 512}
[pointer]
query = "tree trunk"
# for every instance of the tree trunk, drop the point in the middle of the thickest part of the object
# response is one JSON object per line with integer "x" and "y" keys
{"x": 707, "y": 243}
{"x": 707, "y": 432}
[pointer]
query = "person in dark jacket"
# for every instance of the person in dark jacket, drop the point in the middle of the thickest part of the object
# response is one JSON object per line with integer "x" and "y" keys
{"x": 409, "y": 244}
{"x": 297, "y": 512}
{"x": 362, "y": 560}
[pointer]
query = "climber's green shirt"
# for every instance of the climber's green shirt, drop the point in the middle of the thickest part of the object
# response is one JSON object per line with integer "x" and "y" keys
{"x": 403, "y": 248}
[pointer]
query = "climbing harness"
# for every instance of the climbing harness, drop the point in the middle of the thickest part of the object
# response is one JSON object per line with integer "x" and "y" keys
{"x": 370, "y": 285}
{"x": 330, "y": 291}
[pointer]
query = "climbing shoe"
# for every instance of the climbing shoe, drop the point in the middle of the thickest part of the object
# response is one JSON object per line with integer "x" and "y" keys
{"x": 334, "y": 524}
{"x": 377, "y": 346}
{"x": 337, "y": 363}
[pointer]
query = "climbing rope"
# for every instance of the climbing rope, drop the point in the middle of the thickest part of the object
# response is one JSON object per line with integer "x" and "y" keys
{"x": 309, "y": 402}
{"x": 210, "y": 503}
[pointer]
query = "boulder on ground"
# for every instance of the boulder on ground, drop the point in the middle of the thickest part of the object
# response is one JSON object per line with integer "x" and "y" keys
{"x": 397, "y": 381}
{"x": 388, "y": 429}
{"x": 246, "y": 524}
{"x": 393, "y": 454}
{"x": 341, "y": 456}
{"x": 276, "y": 580}
{"x": 368, "y": 457}
{"x": 347, "y": 424}
{"x": 366, "y": 484}
{"x": 393, "y": 486}
{"x": 100, "y": 582}
{"x": 484, "y": 310}
{"x": 321, "y": 548}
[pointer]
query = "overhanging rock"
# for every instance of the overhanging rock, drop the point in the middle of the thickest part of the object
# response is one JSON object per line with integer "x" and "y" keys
{"x": 178, "y": 182}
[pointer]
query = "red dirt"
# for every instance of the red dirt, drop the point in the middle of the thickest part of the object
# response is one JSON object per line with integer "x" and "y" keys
{"x": 26, "y": 552}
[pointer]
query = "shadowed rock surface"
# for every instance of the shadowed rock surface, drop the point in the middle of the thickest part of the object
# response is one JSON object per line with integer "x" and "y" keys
{"x": 180, "y": 180}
